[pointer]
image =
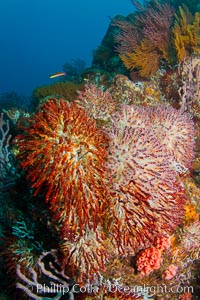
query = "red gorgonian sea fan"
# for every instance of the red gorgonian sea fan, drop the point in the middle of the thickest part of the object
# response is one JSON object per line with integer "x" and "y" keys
{"x": 64, "y": 152}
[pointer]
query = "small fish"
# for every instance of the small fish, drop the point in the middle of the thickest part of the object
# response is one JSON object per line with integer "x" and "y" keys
{"x": 58, "y": 74}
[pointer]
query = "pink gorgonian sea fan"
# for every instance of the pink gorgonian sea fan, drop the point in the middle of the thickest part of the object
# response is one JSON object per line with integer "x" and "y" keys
{"x": 147, "y": 197}
{"x": 98, "y": 103}
{"x": 175, "y": 130}
{"x": 89, "y": 253}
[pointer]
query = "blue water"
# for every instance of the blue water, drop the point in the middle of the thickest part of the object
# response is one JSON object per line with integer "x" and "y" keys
{"x": 39, "y": 36}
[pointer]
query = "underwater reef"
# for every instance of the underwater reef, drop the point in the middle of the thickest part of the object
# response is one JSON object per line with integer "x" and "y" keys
{"x": 100, "y": 182}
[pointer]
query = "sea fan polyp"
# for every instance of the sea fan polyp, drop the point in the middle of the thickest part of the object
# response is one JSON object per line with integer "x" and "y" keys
{"x": 64, "y": 153}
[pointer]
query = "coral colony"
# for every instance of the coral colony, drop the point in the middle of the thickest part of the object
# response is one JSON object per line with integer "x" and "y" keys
{"x": 105, "y": 196}
{"x": 4, "y": 147}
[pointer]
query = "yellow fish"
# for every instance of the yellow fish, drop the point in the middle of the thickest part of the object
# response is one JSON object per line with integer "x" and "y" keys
{"x": 58, "y": 74}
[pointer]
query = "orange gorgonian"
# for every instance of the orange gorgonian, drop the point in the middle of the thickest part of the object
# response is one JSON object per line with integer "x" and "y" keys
{"x": 63, "y": 153}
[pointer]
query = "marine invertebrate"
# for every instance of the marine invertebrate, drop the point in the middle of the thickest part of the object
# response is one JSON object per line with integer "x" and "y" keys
{"x": 98, "y": 103}
{"x": 21, "y": 247}
{"x": 148, "y": 260}
{"x": 48, "y": 280}
{"x": 132, "y": 116}
{"x": 170, "y": 272}
{"x": 185, "y": 251}
{"x": 5, "y": 136}
{"x": 122, "y": 180}
{"x": 65, "y": 90}
{"x": 186, "y": 33}
{"x": 145, "y": 58}
{"x": 127, "y": 37}
{"x": 64, "y": 152}
{"x": 190, "y": 214}
{"x": 175, "y": 130}
{"x": 185, "y": 296}
{"x": 88, "y": 253}
{"x": 146, "y": 195}
{"x": 189, "y": 91}
{"x": 162, "y": 242}
{"x": 155, "y": 23}
{"x": 146, "y": 40}
{"x": 19, "y": 251}
{"x": 190, "y": 239}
